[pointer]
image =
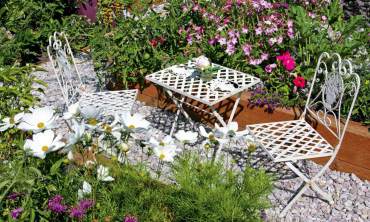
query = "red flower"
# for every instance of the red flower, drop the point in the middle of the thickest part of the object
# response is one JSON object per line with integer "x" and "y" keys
{"x": 161, "y": 39}
{"x": 299, "y": 82}
{"x": 289, "y": 64}
{"x": 154, "y": 42}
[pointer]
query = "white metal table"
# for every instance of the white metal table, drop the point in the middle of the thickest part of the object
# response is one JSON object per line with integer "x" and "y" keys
{"x": 206, "y": 92}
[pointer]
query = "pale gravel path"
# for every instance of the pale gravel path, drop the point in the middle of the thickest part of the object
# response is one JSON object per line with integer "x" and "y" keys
{"x": 351, "y": 195}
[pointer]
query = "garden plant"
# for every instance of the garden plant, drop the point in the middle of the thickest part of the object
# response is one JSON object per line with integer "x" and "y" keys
{"x": 104, "y": 169}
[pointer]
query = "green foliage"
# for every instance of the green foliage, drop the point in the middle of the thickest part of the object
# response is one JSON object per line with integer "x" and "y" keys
{"x": 348, "y": 38}
{"x": 205, "y": 191}
{"x": 16, "y": 96}
{"x": 23, "y": 21}
{"x": 216, "y": 194}
{"x": 131, "y": 55}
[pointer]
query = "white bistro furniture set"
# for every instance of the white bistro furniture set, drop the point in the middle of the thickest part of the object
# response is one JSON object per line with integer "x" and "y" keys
{"x": 286, "y": 141}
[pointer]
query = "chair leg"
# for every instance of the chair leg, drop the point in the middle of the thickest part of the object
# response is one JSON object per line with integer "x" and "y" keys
{"x": 301, "y": 190}
{"x": 306, "y": 184}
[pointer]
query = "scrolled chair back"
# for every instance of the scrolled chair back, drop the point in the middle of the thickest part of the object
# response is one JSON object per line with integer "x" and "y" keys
{"x": 333, "y": 82}
{"x": 64, "y": 67}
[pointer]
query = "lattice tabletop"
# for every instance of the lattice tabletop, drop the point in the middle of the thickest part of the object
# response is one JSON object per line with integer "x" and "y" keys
{"x": 199, "y": 90}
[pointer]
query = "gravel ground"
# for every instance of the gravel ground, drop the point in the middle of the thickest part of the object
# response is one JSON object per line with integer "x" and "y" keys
{"x": 351, "y": 195}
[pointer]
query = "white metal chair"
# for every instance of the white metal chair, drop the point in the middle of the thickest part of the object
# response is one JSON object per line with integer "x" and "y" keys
{"x": 71, "y": 84}
{"x": 289, "y": 141}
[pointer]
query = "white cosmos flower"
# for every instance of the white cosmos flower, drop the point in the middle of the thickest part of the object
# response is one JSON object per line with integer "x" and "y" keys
{"x": 86, "y": 189}
{"x": 114, "y": 129}
{"x": 39, "y": 119}
{"x": 227, "y": 131}
{"x": 186, "y": 136}
{"x": 165, "y": 153}
{"x": 167, "y": 141}
{"x": 9, "y": 122}
{"x": 43, "y": 143}
{"x": 73, "y": 111}
{"x": 78, "y": 131}
{"x": 202, "y": 62}
{"x": 92, "y": 115}
{"x": 134, "y": 122}
{"x": 103, "y": 174}
{"x": 203, "y": 132}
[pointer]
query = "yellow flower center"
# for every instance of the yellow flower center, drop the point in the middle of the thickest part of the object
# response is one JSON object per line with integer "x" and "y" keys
{"x": 92, "y": 121}
{"x": 161, "y": 143}
{"x": 11, "y": 120}
{"x": 252, "y": 148}
{"x": 107, "y": 128}
{"x": 45, "y": 148}
{"x": 207, "y": 146}
{"x": 41, "y": 125}
{"x": 211, "y": 137}
{"x": 162, "y": 156}
{"x": 131, "y": 126}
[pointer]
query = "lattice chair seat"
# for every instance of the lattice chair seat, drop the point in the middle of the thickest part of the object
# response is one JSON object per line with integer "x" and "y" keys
{"x": 291, "y": 140}
{"x": 110, "y": 102}
{"x": 73, "y": 88}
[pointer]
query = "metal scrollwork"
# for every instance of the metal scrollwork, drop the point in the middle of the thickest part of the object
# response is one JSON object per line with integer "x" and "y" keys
{"x": 336, "y": 79}
{"x": 64, "y": 66}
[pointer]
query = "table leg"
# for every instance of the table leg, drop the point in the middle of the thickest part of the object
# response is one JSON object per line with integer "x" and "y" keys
{"x": 234, "y": 108}
{"x": 179, "y": 109}
{"x": 218, "y": 116}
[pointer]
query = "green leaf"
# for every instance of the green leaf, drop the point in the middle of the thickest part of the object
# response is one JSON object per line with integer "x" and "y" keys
{"x": 55, "y": 168}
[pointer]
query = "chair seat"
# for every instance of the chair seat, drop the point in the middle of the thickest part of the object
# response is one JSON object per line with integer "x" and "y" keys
{"x": 291, "y": 140}
{"x": 111, "y": 102}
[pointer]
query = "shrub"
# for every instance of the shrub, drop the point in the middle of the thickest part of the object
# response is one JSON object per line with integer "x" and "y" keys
{"x": 23, "y": 20}
{"x": 16, "y": 87}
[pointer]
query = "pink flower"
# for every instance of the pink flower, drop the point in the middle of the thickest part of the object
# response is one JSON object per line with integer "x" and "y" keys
{"x": 247, "y": 49}
{"x": 290, "y": 33}
{"x": 299, "y": 82}
{"x": 258, "y": 31}
{"x": 324, "y": 18}
{"x": 230, "y": 48}
{"x": 283, "y": 56}
{"x": 272, "y": 41}
{"x": 264, "y": 56}
{"x": 255, "y": 61}
{"x": 311, "y": 14}
{"x": 212, "y": 41}
{"x": 245, "y": 30}
{"x": 290, "y": 24}
{"x": 279, "y": 40}
{"x": 222, "y": 41}
{"x": 270, "y": 67}
{"x": 289, "y": 64}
